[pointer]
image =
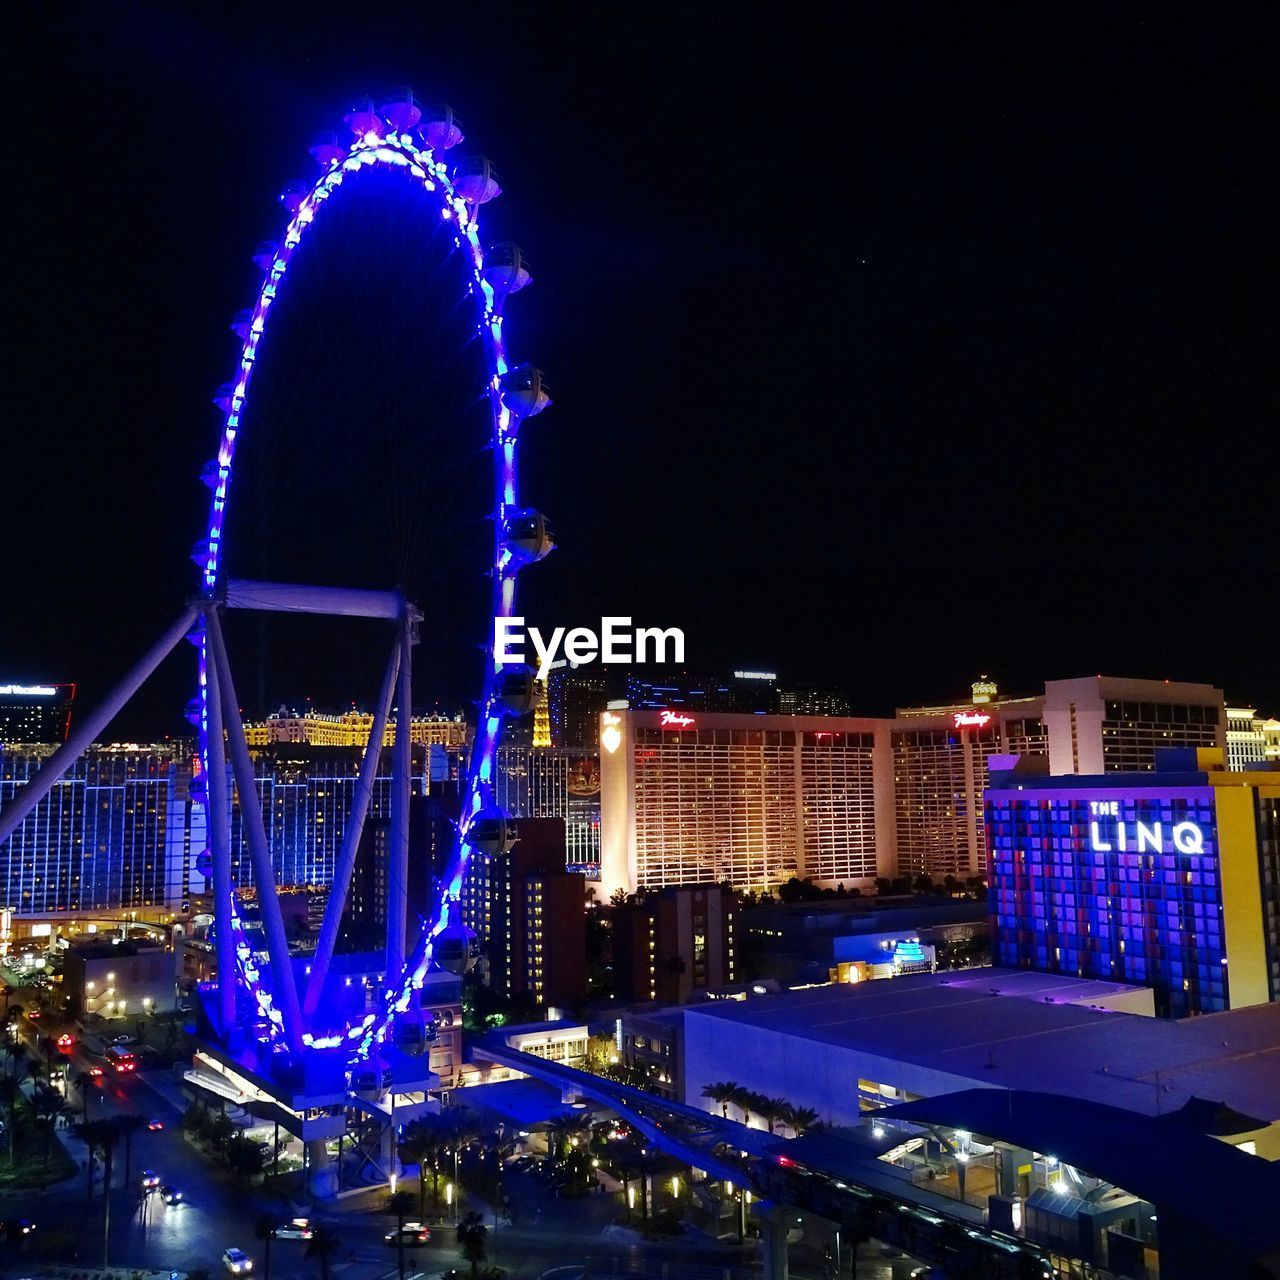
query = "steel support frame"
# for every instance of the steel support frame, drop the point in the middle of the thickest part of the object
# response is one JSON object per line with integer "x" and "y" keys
{"x": 345, "y": 863}
{"x": 282, "y": 978}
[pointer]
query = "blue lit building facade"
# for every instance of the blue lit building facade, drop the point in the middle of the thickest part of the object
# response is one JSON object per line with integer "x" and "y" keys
{"x": 1168, "y": 880}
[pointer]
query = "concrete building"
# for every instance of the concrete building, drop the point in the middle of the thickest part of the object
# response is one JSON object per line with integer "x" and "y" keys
{"x": 555, "y": 782}
{"x": 119, "y": 979}
{"x": 351, "y": 729}
{"x": 35, "y": 712}
{"x": 847, "y": 1051}
{"x": 1246, "y": 738}
{"x": 1169, "y": 878}
{"x": 535, "y": 942}
{"x": 674, "y": 942}
{"x": 692, "y": 798}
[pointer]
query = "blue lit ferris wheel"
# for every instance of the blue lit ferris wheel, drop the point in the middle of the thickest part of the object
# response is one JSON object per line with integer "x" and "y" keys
{"x": 281, "y": 1016}
{"x": 409, "y": 140}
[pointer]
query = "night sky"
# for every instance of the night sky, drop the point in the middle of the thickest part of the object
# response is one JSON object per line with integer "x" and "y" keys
{"x": 889, "y": 344}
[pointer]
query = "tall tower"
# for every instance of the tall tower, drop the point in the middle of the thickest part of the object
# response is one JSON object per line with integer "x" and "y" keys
{"x": 541, "y": 716}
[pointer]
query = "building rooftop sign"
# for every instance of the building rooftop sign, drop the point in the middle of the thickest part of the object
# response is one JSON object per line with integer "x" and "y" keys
{"x": 27, "y": 690}
{"x": 674, "y": 720}
{"x": 971, "y": 719}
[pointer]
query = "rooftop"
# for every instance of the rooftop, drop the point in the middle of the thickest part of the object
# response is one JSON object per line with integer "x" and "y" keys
{"x": 1023, "y": 1030}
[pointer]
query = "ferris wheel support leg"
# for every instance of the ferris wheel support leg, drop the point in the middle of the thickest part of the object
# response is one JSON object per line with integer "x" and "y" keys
{"x": 220, "y": 848}
{"x": 351, "y": 836}
{"x": 402, "y": 759}
{"x": 264, "y": 876}
{"x": 88, "y": 729}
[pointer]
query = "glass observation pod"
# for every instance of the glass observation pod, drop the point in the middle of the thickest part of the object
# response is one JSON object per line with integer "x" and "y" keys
{"x": 516, "y": 688}
{"x": 491, "y": 832}
{"x": 439, "y": 127}
{"x": 528, "y": 536}
{"x": 523, "y": 391}
{"x": 475, "y": 181}
{"x": 401, "y": 110}
{"x": 505, "y": 269}
{"x": 455, "y": 950}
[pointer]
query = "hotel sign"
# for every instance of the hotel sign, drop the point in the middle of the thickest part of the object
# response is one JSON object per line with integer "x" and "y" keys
{"x": 971, "y": 719}
{"x": 674, "y": 720}
{"x": 1109, "y": 833}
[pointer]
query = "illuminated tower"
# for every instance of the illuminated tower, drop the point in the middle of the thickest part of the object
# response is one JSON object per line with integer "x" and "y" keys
{"x": 541, "y": 716}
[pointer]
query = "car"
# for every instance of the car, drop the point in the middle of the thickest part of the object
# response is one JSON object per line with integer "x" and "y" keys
{"x": 66, "y": 1042}
{"x": 295, "y": 1229}
{"x": 409, "y": 1233}
{"x": 170, "y": 1195}
{"x": 33, "y": 1015}
{"x": 155, "y": 1125}
{"x": 122, "y": 1040}
{"x": 237, "y": 1262}
{"x": 150, "y": 1179}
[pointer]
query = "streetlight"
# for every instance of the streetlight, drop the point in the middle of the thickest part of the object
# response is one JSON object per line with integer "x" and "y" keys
{"x": 448, "y": 1199}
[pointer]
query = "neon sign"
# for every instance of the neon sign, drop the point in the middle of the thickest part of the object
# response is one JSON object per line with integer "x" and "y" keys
{"x": 965, "y": 719}
{"x": 1139, "y": 837}
{"x": 674, "y": 720}
{"x": 755, "y": 675}
{"x": 611, "y": 735}
{"x": 27, "y": 690}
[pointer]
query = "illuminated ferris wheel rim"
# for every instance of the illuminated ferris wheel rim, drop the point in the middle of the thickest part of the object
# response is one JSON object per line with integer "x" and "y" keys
{"x": 401, "y": 136}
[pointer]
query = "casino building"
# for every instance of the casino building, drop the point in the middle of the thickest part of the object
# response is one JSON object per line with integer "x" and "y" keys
{"x": 694, "y": 795}
{"x": 702, "y": 798}
{"x": 35, "y": 712}
{"x": 1168, "y": 878}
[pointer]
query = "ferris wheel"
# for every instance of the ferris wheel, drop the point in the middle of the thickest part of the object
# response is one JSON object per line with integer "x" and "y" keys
{"x": 280, "y": 1018}
{"x": 401, "y": 137}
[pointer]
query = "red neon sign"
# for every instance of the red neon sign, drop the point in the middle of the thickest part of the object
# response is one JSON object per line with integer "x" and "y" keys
{"x": 674, "y": 720}
{"x": 976, "y": 719}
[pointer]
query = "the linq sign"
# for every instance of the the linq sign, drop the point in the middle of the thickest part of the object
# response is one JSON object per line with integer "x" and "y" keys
{"x": 1109, "y": 833}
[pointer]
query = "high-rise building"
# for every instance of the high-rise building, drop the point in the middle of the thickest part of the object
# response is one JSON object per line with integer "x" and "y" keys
{"x": 35, "y": 712}
{"x": 673, "y": 942}
{"x": 1103, "y": 724}
{"x": 575, "y": 698}
{"x": 692, "y": 798}
{"x": 739, "y": 693}
{"x": 1169, "y": 878}
{"x": 555, "y": 782}
{"x": 812, "y": 702}
{"x": 111, "y": 833}
{"x": 351, "y": 729}
{"x": 536, "y": 935}
{"x": 1246, "y": 738}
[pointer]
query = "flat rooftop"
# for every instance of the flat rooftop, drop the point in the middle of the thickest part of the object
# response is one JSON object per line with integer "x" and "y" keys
{"x": 1021, "y": 1030}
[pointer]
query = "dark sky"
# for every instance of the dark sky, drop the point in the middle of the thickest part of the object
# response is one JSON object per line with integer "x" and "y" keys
{"x": 890, "y": 344}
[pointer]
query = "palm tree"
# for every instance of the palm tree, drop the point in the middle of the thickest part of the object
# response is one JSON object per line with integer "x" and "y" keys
{"x": 415, "y": 1149}
{"x": 101, "y": 1137}
{"x": 399, "y": 1203}
{"x": 324, "y": 1244}
{"x": 85, "y": 1082}
{"x": 265, "y": 1230}
{"x": 10, "y": 1092}
{"x": 473, "y": 1241}
{"x": 744, "y": 1100}
{"x": 722, "y": 1092}
{"x": 127, "y": 1124}
{"x": 801, "y": 1120}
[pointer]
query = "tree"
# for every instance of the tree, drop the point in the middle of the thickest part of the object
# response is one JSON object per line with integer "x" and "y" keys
{"x": 744, "y": 1100}
{"x": 10, "y": 1092}
{"x": 415, "y": 1148}
{"x": 770, "y": 1110}
{"x": 473, "y": 1242}
{"x": 128, "y": 1124}
{"x": 324, "y": 1244}
{"x": 722, "y": 1092}
{"x": 265, "y": 1230}
{"x": 800, "y": 1120}
{"x": 400, "y": 1203}
{"x": 85, "y": 1082}
{"x": 244, "y": 1157}
{"x": 101, "y": 1136}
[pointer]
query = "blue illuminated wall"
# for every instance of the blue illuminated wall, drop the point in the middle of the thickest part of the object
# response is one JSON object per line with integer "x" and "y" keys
{"x": 1071, "y": 892}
